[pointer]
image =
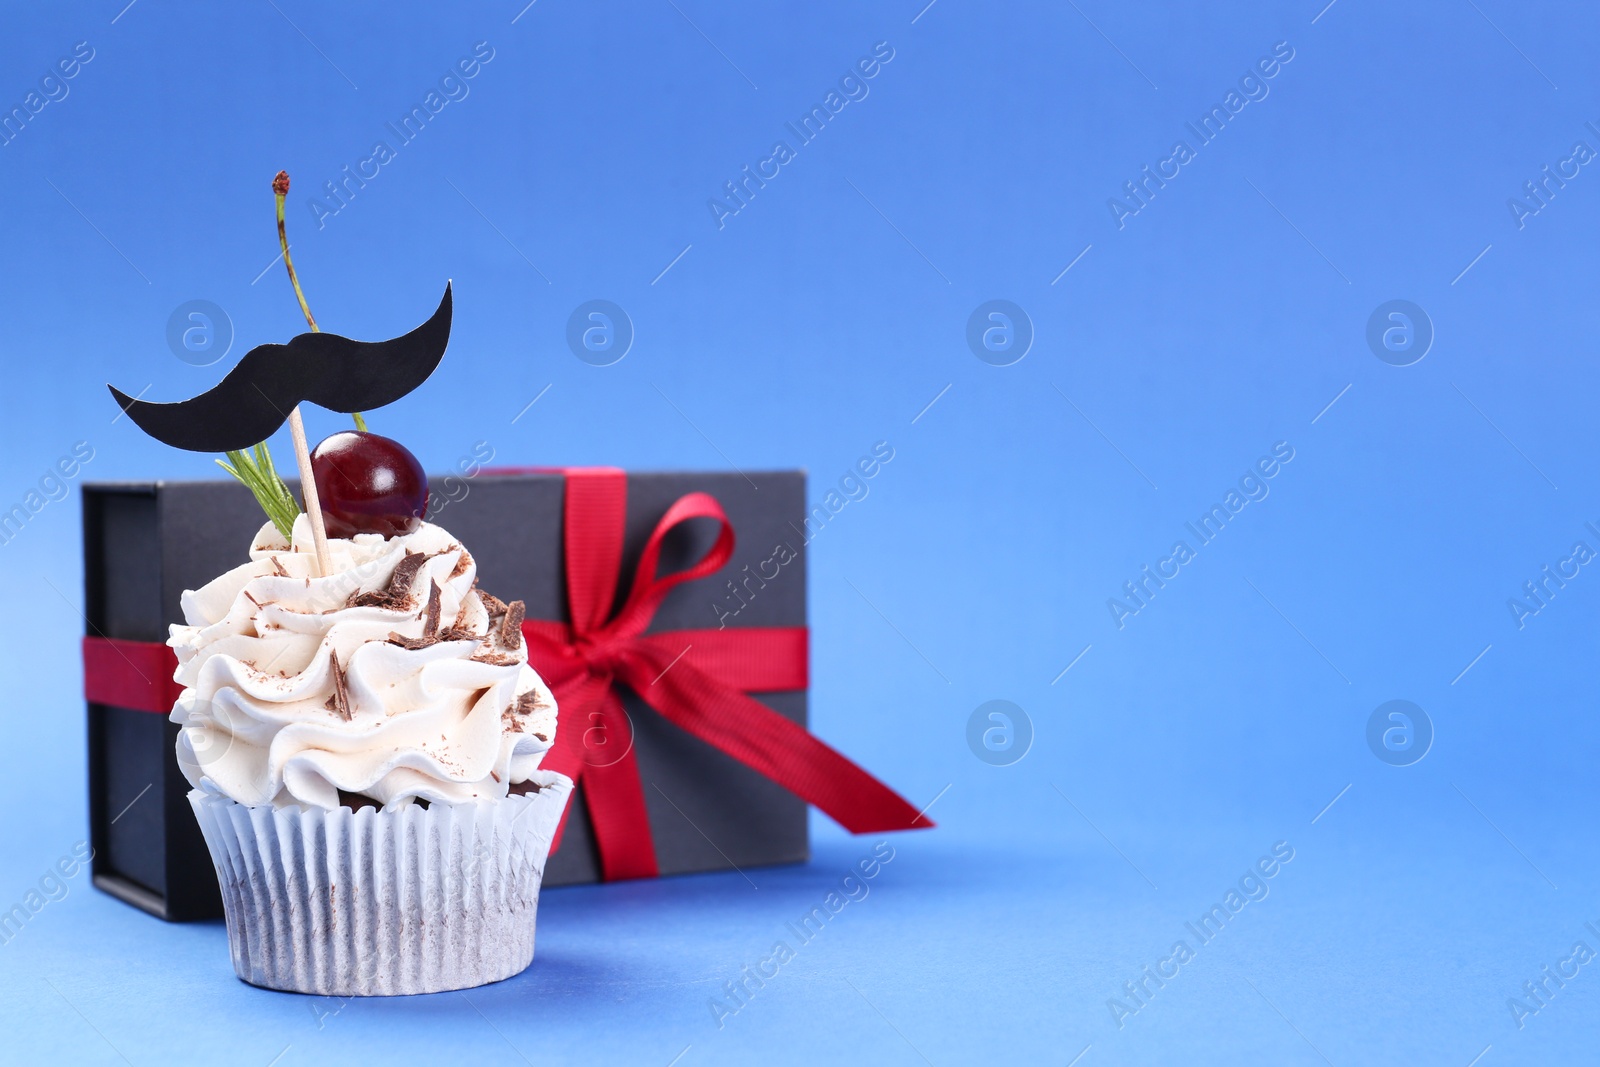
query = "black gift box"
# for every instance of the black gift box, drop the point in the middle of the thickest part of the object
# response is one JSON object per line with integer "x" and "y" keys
{"x": 144, "y": 543}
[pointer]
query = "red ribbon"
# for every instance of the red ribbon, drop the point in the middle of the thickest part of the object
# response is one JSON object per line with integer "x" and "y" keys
{"x": 696, "y": 679}
{"x": 130, "y": 674}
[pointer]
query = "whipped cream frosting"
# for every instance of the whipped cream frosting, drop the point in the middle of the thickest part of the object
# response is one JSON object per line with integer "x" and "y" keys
{"x": 300, "y": 685}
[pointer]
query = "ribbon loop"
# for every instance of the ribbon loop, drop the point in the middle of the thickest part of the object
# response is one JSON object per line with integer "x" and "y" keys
{"x": 649, "y": 590}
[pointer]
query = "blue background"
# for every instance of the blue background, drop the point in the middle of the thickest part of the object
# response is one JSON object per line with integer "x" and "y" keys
{"x": 1222, "y": 318}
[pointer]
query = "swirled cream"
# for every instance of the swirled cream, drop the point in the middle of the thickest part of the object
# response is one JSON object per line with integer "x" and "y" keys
{"x": 392, "y": 677}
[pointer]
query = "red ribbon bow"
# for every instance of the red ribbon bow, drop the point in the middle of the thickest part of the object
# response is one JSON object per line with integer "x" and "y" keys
{"x": 696, "y": 679}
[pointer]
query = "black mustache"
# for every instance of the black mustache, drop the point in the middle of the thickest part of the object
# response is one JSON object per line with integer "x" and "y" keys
{"x": 256, "y": 396}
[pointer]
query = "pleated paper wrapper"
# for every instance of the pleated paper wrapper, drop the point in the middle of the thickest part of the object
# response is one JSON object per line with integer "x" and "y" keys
{"x": 374, "y": 903}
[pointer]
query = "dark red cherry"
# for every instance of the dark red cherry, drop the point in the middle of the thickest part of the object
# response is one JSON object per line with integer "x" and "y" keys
{"x": 368, "y": 484}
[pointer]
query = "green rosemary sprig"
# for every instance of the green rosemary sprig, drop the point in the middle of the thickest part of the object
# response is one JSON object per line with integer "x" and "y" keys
{"x": 258, "y": 475}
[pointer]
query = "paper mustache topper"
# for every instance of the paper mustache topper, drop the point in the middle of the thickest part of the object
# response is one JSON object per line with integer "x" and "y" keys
{"x": 334, "y": 372}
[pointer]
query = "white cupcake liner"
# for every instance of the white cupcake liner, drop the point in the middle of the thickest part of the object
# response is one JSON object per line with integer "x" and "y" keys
{"x": 374, "y": 903}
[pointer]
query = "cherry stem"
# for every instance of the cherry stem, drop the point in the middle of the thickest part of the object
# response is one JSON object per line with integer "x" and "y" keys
{"x": 280, "y": 188}
{"x": 283, "y": 242}
{"x": 297, "y": 430}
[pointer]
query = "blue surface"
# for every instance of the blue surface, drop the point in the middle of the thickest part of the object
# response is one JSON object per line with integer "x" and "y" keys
{"x": 1228, "y": 314}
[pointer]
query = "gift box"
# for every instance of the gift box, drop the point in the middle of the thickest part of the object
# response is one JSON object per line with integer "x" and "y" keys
{"x": 667, "y": 611}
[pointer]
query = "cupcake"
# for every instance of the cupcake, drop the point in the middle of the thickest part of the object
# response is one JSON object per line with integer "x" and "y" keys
{"x": 364, "y": 744}
{"x": 359, "y": 722}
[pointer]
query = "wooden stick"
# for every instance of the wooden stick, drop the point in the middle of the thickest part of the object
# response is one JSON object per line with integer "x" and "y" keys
{"x": 308, "y": 492}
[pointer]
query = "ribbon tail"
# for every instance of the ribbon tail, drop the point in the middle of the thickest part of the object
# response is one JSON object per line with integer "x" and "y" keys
{"x": 615, "y": 794}
{"x": 754, "y": 734}
{"x": 576, "y": 697}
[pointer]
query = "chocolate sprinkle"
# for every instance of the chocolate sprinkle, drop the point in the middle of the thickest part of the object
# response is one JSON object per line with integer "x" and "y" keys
{"x": 511, "y": 625}
{"x": 340, "y": 701}
{"x": 526, "y": 704}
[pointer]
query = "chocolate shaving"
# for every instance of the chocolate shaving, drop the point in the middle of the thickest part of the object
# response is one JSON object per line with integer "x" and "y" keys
{"x": 277, "y": 568}
{"x": 493, "y": 658}
{"x": 458, "y": 632}
{"x": 492, "y": 604}
{"x": 397, "y": 597}
{"x": 405, "y": 573}
{"x": 411, "y": 643}
{"x": 462, "y": 563}
{"x": 495, "y": 776}
{"x": 250, "y": 598}
{"x": 520, "y": 788}
{"x": 430, "y": 626}
{"x": 340, "y": 701}
{"x": 511, "y": 624}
